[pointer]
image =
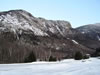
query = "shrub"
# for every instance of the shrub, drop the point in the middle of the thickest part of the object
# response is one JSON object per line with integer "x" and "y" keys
{"x": 78, "y": 55}
{"x": 52, "y": 58}
{"x": 86, "y": 56}
{"x": 96, "y": 53}
{"x": 30, "y": 58}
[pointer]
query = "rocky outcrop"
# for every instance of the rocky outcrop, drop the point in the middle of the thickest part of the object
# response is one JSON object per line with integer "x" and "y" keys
{"x": 19, "y": 20}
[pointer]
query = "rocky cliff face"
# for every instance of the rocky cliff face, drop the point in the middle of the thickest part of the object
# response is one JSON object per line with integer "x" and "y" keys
{"x": 21, "y": 34}
{"x": 19, "y": 20}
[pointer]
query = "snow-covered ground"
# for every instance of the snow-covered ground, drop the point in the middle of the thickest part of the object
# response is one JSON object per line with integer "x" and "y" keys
{"x": 65, "y": 67}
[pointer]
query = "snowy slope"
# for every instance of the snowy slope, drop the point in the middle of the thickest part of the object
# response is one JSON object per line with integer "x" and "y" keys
{"x": 65, "y": 67}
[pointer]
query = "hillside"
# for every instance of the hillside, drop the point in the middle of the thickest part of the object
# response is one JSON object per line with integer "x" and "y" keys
{"x": 91, "y": 34}
{"x": 22, "y": 34}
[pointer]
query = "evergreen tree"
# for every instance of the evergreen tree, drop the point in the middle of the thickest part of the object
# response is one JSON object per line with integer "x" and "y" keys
{"x": 86, "y": 56}
{"x": 30, "y": 58}
{"x": 52, "y": 58}
{"x": 78, "y": 55}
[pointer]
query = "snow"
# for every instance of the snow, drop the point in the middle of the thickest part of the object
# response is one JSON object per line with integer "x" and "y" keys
{"x": 44, "y": 24}
{"x": 98, "y": 37}
{"x": 83, "y": 32}
{"x": 22, "y": 20}
{"x": 75, "y": 41}
{"x": 59, "y": 30}
{"x": 14, "y": 24}
{"x": 57, "y": 48}
{"x": 68, "y": 38}
{"x": 64, "y": 44}
{"x": 52, "y": 30}
{"x": 66, "y": 67}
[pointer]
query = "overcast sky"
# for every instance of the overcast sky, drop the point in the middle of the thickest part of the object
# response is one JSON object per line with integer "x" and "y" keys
{"x": 77, "y": 12}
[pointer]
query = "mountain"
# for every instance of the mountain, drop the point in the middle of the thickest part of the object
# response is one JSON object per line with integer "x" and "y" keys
{"x": 21, "y": 20}
{"x": 91, "y": 34}
{"x": 22, "y": 34}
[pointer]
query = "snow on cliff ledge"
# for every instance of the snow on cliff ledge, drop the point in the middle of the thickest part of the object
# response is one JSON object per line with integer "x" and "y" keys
{"x": 20, "y": 19}
{"x": 75, "y": 42}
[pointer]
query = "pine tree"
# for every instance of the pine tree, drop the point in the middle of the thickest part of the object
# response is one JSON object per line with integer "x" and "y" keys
{"x": 30, "y": 58}
{"x": 78, "y": 55}
{"x": 52, "y": 58}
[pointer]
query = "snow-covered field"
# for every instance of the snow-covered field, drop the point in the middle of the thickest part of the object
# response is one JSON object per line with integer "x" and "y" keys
{"x": 65, "y": 67}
